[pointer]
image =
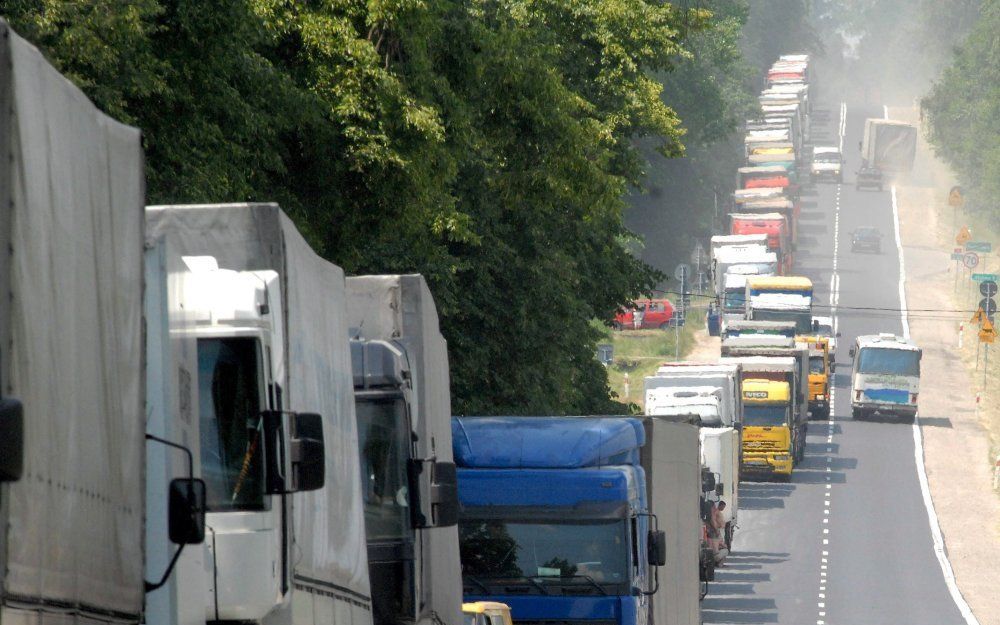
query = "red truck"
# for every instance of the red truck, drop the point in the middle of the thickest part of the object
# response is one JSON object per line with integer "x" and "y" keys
{"x": 774, "y": 225}
{"x": 647, "y": 314}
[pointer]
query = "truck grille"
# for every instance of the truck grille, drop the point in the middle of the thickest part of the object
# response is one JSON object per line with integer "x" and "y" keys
{"x": 761, "y": 445}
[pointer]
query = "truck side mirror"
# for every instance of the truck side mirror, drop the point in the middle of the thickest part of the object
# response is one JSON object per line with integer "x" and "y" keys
{"x": 657, "y": 547}
{"x": 720, "y": 489}
{"x": 707, "y": 482}
{"x": 11, "y": 440}
{"x": 294, "y": 451}
{"x": 815, "y": 326}
{"x": 308, "y": 452}
{"x": 852, "y": 352}
{"x": 186, "y": 511}
{"x": 434, "y": 493}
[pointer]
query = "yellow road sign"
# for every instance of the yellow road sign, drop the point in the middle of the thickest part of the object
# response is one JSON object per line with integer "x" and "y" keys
{"x": 986, "y": 332}
{"x": 979, "y": 316}
{"x": 955, "y": 197}
{"x": 963, "y": 236}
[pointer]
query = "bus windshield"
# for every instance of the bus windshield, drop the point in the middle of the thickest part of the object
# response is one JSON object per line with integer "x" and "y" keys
{"x": 889, "y": 361}
{"x": 762, "y": 416}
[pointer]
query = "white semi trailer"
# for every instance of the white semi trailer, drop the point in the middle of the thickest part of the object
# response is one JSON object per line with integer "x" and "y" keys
{"x": 403, "y": 399}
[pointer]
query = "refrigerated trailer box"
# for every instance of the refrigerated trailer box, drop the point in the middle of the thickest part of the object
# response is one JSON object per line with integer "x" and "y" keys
{"x": 889, "y": 145}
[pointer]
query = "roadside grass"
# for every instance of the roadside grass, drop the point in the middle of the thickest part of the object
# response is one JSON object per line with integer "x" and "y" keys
{"x": 638, "y": 353}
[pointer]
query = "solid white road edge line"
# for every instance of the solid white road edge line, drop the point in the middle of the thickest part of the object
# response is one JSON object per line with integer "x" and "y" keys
{"x": 918, "y": 447}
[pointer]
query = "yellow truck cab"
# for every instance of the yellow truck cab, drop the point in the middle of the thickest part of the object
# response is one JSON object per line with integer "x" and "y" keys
{"x": 486, "y": 613}
{"x": 767, "y": 428}
{"x": 820, "y": 373}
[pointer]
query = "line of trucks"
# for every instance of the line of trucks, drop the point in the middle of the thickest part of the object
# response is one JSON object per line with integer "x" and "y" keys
{"x": 202, "y": 421}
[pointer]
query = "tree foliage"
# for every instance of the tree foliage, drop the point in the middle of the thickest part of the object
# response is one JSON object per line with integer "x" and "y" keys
{"x": 962, "y": 111}
{"x": 488, "y": 144}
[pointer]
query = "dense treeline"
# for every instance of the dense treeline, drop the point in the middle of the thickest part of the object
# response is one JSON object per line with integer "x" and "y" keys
{"x": 489, "y": 144}
{"x": 962, "y": 111}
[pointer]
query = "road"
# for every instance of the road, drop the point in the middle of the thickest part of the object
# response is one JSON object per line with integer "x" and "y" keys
{"x": 848, "y": 540}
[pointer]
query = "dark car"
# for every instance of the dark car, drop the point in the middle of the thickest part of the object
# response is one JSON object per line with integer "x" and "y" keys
{"x": 868, "y": 239}
{"x": 869, "y": 177}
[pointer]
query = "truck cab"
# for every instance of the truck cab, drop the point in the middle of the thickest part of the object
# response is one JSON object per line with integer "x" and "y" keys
{"x": 827, "y": 162}
{"x": 767, "y": 428}
{"x": 885, "y": 376}
{"x": 555, "y": 520}
{"x": 781, "y": 298}
{"x": 820, "y": 373}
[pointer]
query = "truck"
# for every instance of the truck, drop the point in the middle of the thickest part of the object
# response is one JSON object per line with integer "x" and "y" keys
{"x": 827, "y": 162}
{"x": 408, "y": 484}
{"x": 783, "y": 205}
{"x": 556, "y": 519}
{"x": 720, "y": 444}
{"x": 821, "y": 369}
{"x": 73, "y": 374}
{"x": 274, "y": 418}
{"x": 781, "y": 298}
{"x": 889, "y": 145}
{"x": 777, "y": 228}
{"x": 768, "y": 433}
{"x": 885, "y": 376}
{"x": 776, "y": 359}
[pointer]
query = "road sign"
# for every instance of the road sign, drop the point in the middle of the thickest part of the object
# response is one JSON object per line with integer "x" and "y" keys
{"x": 978, "y": 316}
{"x": 957, "y": 255}
{"x": 683, "y": 271}
{"x": 971, "y": 260}
{"x": 989, "y": 307}
{"x": 956, "y": 197}
{"x": 979, "y": 246}
{"x": 987, "y": 334}
{"x": 988, "y": 287}
{"x": 963, "y": 236}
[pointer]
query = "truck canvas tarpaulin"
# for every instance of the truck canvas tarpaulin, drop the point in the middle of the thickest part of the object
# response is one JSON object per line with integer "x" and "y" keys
{"x": 889, "y": 145}
{"x": 328, "y": 550}
{"x": 70, "y": 349}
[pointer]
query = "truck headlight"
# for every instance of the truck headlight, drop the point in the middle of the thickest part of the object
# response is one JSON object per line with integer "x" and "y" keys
{"x": 782, "y": 458}
{"x": 819, "y": 397}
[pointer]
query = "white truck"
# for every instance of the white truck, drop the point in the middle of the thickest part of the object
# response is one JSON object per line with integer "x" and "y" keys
{"x": 889, "y": 145}
{"x": 271, "y": 418}
{"x": 885, "y": 376}
{"x": 827, "y": 162}
{"x": 71, "y": 359}
{"x": 403, "y": 400}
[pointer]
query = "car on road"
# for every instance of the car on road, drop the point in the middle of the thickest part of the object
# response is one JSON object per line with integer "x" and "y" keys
{"x": 827, "y": 162}
{"x": 868, "y": 177}
{"x": 867, "y": 239}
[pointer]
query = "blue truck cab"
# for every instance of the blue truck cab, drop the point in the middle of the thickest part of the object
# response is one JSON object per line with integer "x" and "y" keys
{"x": 554, "y": 518}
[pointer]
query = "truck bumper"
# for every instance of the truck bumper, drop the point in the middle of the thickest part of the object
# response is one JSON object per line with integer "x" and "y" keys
{"x": 779, "y": 463}
{"x": 819, "y": 408}
{"x": 903, "y": 410}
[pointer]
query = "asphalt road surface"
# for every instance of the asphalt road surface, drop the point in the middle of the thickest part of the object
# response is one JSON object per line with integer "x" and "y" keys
{"x": 848, "y": 540}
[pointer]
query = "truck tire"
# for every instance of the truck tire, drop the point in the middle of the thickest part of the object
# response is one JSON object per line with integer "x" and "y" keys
{"x": 856, "y": 413}
{"x": 665, "y": 325}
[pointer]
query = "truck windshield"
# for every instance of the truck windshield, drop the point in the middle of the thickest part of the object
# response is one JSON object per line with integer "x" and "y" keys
{"x": 761, "y": 416}
{"x": 827, "y": 157}
{"x": 230, "y": 393}
{"x": 889, "y": 361}
{"x": 383, "y": 438}
{"x": 575, "y": 556}
{"x": 735, "y": 301}
{"x": 816, "y": 364}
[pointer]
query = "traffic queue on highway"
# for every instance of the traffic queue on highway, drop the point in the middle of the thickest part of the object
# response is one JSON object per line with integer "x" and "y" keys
{"x": 250, "y": 435}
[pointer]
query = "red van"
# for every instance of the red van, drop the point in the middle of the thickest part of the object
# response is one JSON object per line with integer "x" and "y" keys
{"x": 647, "y": 314}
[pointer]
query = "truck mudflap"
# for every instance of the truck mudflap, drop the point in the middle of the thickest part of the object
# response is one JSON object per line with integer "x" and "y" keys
{"x": 778, "y": 465}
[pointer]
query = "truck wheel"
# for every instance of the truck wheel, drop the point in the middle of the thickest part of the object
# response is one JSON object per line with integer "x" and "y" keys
{"x": 665, "y": 325}
{"x": 856, "y": 413}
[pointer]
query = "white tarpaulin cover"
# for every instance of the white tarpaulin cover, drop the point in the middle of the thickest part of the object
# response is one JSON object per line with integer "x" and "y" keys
{"x": 330, "y": 551}
{"x": 72, "y": 212}
{"x": 401, "y": 308}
